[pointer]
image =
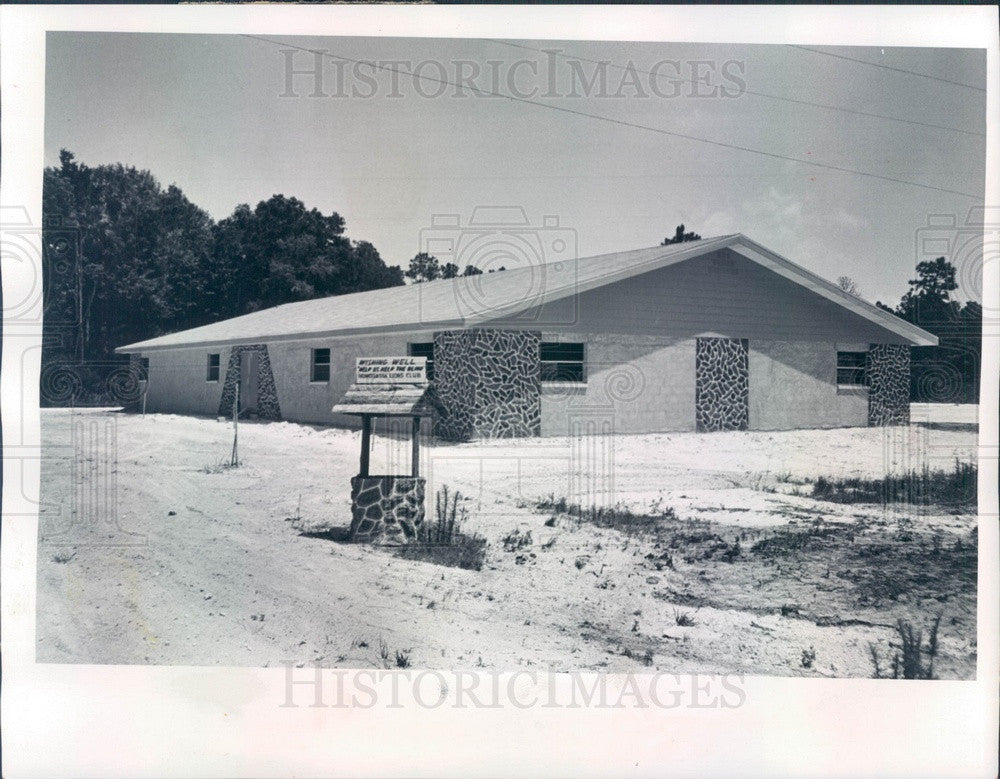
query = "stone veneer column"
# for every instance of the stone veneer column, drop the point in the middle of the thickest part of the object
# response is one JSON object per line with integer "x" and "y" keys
{"x": 887, "y": 373}
{"x": 489, "y": 382}
{"x": 267, "y": 393}
{"x": 722, "y": 384}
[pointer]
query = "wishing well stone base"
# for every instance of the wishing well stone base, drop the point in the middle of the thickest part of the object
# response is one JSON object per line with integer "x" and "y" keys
{"x": 386, "y": 509}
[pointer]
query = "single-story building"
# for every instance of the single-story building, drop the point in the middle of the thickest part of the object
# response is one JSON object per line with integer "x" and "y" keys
{"x": 715, "y": 334}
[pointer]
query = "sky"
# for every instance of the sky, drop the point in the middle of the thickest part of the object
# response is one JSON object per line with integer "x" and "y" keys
{"x": 601, "y": 166}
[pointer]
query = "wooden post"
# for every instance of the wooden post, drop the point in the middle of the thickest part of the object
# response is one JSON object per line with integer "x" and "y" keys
{"x": 366, "y": 437}
{"x": 234, "y": 460}
{"x": 416, "y": 446}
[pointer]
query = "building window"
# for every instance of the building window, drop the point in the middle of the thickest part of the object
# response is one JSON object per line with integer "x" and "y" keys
{"x": 851, "y": 369}
{"x": 319, "y": 369}
{"x": 212, "y": 373}
{"x": 562, "y": 362}
{"x": 424, "y": 350}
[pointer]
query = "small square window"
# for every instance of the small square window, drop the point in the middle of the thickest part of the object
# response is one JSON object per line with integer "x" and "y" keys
{"x": 851, "y": 369}
{"x": 320, "y": 368}
{"x": 212, "y": 374}
{"x": 424, "y": 350}
{"x": 562, "y": 362}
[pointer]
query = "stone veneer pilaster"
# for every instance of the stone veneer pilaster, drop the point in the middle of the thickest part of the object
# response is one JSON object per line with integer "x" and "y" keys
{"x": 489, "y": 383}
{"x": 722, "y": 382}
{"x": 267, "y": 393}
{"x": 887, "y": 373}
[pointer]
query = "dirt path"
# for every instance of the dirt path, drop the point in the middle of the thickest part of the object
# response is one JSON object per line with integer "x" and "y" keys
{"x": 151, "y": 553}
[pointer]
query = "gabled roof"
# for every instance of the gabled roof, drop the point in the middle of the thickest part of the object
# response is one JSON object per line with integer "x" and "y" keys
{"x": 473, "y": 300}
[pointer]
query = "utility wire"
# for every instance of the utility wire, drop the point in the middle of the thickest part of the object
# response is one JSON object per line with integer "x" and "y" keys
{"x": 888, "y": 67}
{"x": 609, "y": 120}
{"x": 750, "y": 91}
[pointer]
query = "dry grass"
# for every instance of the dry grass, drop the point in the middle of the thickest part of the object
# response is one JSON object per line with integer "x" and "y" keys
{"x": 617, "y": 517}
{"x": 954, "y": 489}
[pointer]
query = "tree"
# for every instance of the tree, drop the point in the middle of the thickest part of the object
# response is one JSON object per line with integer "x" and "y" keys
{"x": 423, "y": 267}
{"x": 281, "y": 252}
{"x": 127, "y": 260}
{"x": 680, "y": 237}
{"x": 929, "y": 297}
{"x": 948, "y": 372}
{"x": 847, "y": 284}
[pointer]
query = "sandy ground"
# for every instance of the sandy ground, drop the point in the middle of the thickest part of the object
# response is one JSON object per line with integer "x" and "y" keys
{"x": 150, "y": 552}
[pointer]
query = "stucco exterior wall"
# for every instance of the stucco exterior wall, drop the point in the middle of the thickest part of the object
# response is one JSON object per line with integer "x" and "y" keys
{"x": 177, "y": 376}
{"x": 640, "y": 383}
{"x": 177, "y": 382}
{"x": 793, "y": 384}
{"x": 305, "y": 401}
{"x": 720, "y": 295}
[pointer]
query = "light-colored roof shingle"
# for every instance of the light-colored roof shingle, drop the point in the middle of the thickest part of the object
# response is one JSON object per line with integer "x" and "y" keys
{"x": 466, "y": 301}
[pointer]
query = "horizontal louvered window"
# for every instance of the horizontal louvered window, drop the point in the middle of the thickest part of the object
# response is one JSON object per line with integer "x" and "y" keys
{"x": 851, "y": 369}
{"x": 562, "y": 362}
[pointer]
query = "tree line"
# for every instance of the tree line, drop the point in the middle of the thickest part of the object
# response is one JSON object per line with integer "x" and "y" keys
{"x": 126, "y": 259}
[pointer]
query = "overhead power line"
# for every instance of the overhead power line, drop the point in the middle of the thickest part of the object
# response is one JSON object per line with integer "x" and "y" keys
{"x": 888, "y": 67}
{"x": 610, "y": 120}
{"x": 782, "y": 98}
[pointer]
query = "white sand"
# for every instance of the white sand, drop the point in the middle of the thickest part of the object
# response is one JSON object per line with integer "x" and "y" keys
{"x": 228, "y": 538}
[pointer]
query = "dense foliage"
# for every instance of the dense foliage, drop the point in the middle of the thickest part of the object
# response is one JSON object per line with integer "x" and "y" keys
{"x": 949, "y": 372}
{"x": 128, "y": 260}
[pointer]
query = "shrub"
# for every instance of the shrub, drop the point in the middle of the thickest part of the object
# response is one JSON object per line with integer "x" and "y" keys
{"x": 442, "y": 542}
{"x": 909, "y": 664}
{"x": 684, "y": 619}
{"x": 516, "y": 540}
{"x": 808, "y": 657}
{"x": 955, "y": 488}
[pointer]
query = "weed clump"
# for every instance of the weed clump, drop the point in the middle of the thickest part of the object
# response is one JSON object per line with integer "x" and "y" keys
{"x": 442, "y": 541}
{"x": 908, "y": 660}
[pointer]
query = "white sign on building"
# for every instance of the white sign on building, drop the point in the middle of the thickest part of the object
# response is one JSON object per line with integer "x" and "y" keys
{"x": 391, "y": 370}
